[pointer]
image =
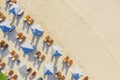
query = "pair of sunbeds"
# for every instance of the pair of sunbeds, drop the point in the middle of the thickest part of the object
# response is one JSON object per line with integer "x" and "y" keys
{"x": 11, "y": 2}
{"x": 59, "y": 76}
{"x": 20, "y": 37}
{"x": 39, "y": 56}
{"x": 2, "y": 17}
{"x": 11, "y": 76}
{"x": 2, "y": 64}
{"x": 3, "y": 45}
{"x": 86, "y": 78}
{"x": 29, "y": 70}
{"x": 28, "y": 19}
{"x": 68, "y": 61}
{"x": 48, "y": 40}
{"x": 14, "y": 55}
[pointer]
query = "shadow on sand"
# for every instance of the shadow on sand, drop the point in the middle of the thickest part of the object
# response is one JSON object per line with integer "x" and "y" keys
{"x": 4, "y": 53}
{"x": 55, "y": 59}
{"x": 37, "y": 39}
{"x": 7, "y": 6}
{"x": 50, "y": 77}
{"x": 45, "y": 47}
{"x": 64, "y": 66}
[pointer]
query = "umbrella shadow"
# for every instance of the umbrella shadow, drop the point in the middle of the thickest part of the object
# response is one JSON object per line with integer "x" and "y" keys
{"x": 52, "y": 58}
{"x": 55, "y": 60}
{"x": 18, "y": 18}
{"x": 55, "y": 69}
{"x": 17, "y": 44}
{"x": 28, "y": 28}
{"x": 5, "y": 35}
{"x": 39, "y": 64}
{"x": 47, "y": 49}
{"x": 7, "y": 6}
{"x": 18, "y": 62}
{"x": 24, "y": 25}
{"x": 2, "y": 68}
{"x": 35, "y": 61}
{"x": 13, "y": 19}
{"x": 37, "y": 40}
{"x": 51, "y": 77}
{"x": 64, "y": 67}
{"x": 22, "y": 70}
{"x": 5, "y": 53}
{"x": 33, "y": 38}
{"x": 9, "y": 60}
{"x": 31, "y": 57}
{"x": 11, "y": 36}
{"x": 12, "y": 63}
{"x": 44, "y": 44}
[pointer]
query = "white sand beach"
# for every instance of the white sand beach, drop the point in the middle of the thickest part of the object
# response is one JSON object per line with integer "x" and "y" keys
{"x": 88, "y": 31}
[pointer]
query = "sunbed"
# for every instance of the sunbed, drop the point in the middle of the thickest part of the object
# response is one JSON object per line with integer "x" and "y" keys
{"x": 16, "y": 56}
{"x": 86, "y": 78}
{"x": 58, "y": 74}
{"x": 2, "y": 18}
{"x": 50, "y": 42}
{"x": 28, "y": 70}
{"x": 23, "y": 38}
{"x": 12, "y": 53}
{"x": 30, "y": 21}
{"x": 2, "y": 65}
{"x": 2, "y": 43}
{"x": 4, "y": 47}
{"x": 14, "y": 77}
{"x": 19, "y": 35}
{"x": 66, "y": 59}
{"x": 10, "y": 73}
{"x": 46, "y": 38}
{"x": 62, "y": 78}
{"x": 69, "y": 63}
{"x": 12, "y": 2}
{"x": 41, "y": 58}
{"x": 37, "y": 54}
{"x": 26, "y": 18}
{"x": 33, "y": 74}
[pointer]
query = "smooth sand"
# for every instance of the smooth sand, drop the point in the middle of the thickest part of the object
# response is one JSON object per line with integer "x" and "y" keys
{"x": 88, "y": 31}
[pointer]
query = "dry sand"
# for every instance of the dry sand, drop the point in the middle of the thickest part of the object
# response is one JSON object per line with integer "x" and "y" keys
{"x": 88, "y": 31}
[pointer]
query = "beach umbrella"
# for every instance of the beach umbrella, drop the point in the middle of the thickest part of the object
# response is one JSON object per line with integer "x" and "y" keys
{"x": 48, "y": 69}
{"x": 76, "y": 73}
{"x": 36, "y": 30}
{"x": 56, "y": 51}
{"x": 6, "y": 26}
{"x": 27, "y": 47}
{"x": 14, "y": 9}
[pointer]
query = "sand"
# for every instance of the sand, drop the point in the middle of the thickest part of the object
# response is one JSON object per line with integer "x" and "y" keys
{"x": 88, "y": 31}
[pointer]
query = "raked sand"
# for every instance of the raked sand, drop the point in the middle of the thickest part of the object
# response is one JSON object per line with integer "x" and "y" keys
{"x": 88, "y": 31}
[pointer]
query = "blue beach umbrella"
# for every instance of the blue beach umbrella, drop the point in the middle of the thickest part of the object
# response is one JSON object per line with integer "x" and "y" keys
{"x": 6, "y": 26}
{"x": 49, "y": 69}
{"x": 56, "y": 51}
{"x": 14, "y": 9}
{"x": 27, "y": 47}
{"x": 76, "y": 73}
{"x": 36, "y": 30}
